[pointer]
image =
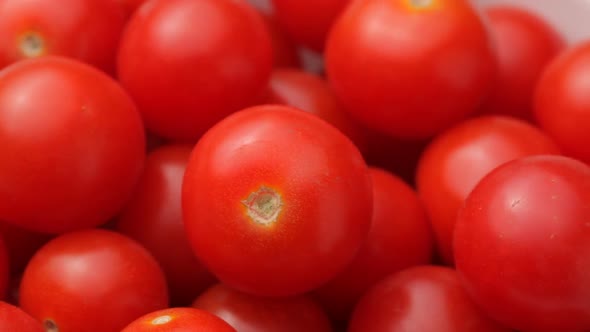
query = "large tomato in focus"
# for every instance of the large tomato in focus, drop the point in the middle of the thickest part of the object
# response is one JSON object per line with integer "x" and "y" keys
{"x": 308, "y": 21}
{"x": 424, "y": 298}
{"x": 248, "y": 313}
{"x": 562, "y": 101}
{"x": 179, "y": 320}
{"x": 153, "y": 217}
{"x": 74, "y": 145}
{"x": 522, "y": 244}
{"x": 400, "y": 237}
{"x": 276, "y": 201}
{"x": 524, "y": 46}
{"x": 410, "y": 68}
{"x": 92, "y": 280}
{"x": 87, "y": 30}
{"x": 190, "y": 63}
{"x": 13, "y": 318}
{"x": 454, "y": 162}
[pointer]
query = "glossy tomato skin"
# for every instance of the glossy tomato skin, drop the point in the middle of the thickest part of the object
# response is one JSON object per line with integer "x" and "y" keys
{"x": 276, "y": 201}
{"x": 522, "y": 244}
{"x": 423, "y": 298}
{"x": 562, "y": 101}
{"x": 179, "y": 319}
{"x": 13, "y": 318}
{"x": 455, "y": 161}
{"x": 95, "y": 278}
{"x": 153, "y": 217}
{"x": 403, "y": 86}
{"x": 285, "y": 51}
{"x": 311, "y": 93}
{"x": 248, "y": 313}
{"x": 63, "y": 124}
{"x": 308, "y": 21}
{"x": 524, "y": 45}
{"x": 87, "y": 30}
{"x": 400, "y": 237}
{"x": 200, "y": 61}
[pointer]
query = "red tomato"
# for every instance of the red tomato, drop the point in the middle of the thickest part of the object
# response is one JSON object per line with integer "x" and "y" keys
{"x": 311, "y": 93}
{"x": 179, "y": 320}
{"x": 87, "y": 30}
{"x": 402, "y": 85}
{"x": 130, "y": 6}
{"x": 562, "y": 101}
{"x": 285, "y": 52}
{"x": 424, "y": 298}
{"x": 153, "y": 217}
{"x": 76, "y": 145}
{"x": 308, "y": 21}
{"x": 525, "y": 44}
{"x": 92, "y": 279}
{"x": 15, "y": 319}
{"x": 276, "y": 201}
{"x": 190, "y": 63}
{"x": 21, "y": 245}
{"x": 4, "y": 270}
{"x": 459, "y": 158}
{"x": 248, "y": 313}
{"x": 522, "y": 244}
{"x": 400, "y": 237}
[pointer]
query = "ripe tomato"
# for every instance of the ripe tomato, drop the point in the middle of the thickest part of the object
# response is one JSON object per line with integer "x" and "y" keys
{"x": 248, "y": 313}
{"x": 404, "y": 86}
{"x": 130, "y": 6}
{"x": 153, "y": 217}
{"x": 524, "y": 46}
{"x": 458, "y": 159}
{"x": 311, "y": 93}
{"x": 308, "y": 21}
{"x": 400, "y": 237}
{"x": 562, "y": 101}
{"x": 424, "y": 298}
{"x": 285, "y": 51}
{"x": 92, "y": 279}
{"x": 276, "y": 201}
{"x": 13, "y": 318}
{"x": 190, "y": 63}
{"x": 87, "y": 30}
{"x": 522, "y": 244}
{"x": 21, "y": 245}
{"x": 179, "y": 320}
{"x": 63, "y": 123}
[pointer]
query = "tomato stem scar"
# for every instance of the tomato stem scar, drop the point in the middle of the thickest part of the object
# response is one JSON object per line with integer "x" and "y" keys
{"x": 420, "y": 3}
{"x": 31, "y": 45}
{"x": 50, "y": 326}
{"x": 264, "y": 205}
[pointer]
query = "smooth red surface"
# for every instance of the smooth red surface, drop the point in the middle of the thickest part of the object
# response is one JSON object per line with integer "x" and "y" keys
{"x": 153, "y": 217}
{"x": 92, "y": 279}
{"x": 425, "y": 298}
{"x": 319, "y": 180}
{"x": 13, "y": 318}
{"x": 454, "y": 162}
{"x": 179, "y": 320}
{"x": 404, "y": 86}
{"x": 190, "y": 63}
{"x": 74, "y": 145}
{"x": 248, "y": 313}
{"x": 522, "y": 244}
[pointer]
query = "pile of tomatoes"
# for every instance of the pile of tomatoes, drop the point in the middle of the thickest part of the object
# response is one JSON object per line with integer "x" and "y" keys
{"x": 325, "y": 165}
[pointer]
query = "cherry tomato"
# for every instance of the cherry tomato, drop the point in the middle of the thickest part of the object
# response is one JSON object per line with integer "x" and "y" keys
{"x": 285, "y": 51}
{"x": 562, "y": 101}
{"x": 87, "y": 30}
{"x": 76, "y": 145}
{"x": 248, "y": 313}
{"x": 308, "y": 21}
{"x": 524, "y": 46}
{"x": 179, "y": 320}
{"x": 401, "y": 85}
{"x": 190, "y": 63}
{"x": 454, "y": 162}
{"x": 311, "y": 93}
{"x": 276, "y": 201}
{"x": 400, "y": 237}
{"x": 13, "y": 318}
{"x": 424, "y": 298}
{"x": 21, "y": 245}
{"x": 522, "y": 244}
{"x": 153, "y": 217}
{"x": 92, "y": 280}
